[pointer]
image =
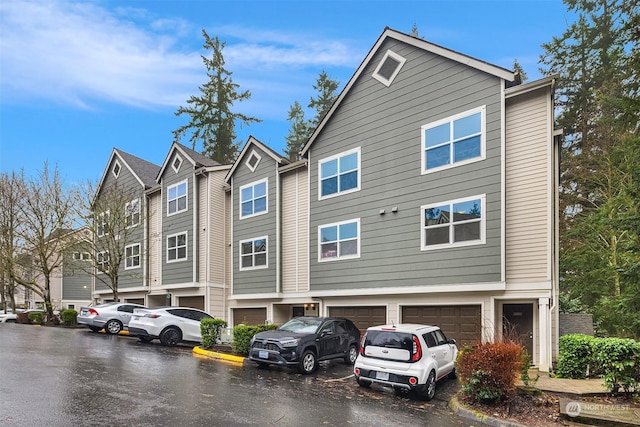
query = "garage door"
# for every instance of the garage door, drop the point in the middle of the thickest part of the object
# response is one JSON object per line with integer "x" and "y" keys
{"x": 193, "y": 302}
{"x": 461, "y": 322}
{"x": 363, "y": 317}
{"x": 249, "y": 316}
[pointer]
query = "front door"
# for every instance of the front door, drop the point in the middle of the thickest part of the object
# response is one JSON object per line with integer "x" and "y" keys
{"x": 517, "y": 324}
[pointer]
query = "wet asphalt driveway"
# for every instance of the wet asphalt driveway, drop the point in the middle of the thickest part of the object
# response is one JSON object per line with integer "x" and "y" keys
{"x": 53, "y": 376}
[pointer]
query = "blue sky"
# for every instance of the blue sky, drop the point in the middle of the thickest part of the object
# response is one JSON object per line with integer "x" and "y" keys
{"x": 78, "y": 78}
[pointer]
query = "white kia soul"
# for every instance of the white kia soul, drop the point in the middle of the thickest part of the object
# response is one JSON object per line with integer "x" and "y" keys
{"x": 405, "y": 356}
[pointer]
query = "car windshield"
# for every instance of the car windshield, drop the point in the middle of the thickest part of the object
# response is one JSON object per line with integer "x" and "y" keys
{"x": 302, "y": 325}
{"x": 389, "y": 339}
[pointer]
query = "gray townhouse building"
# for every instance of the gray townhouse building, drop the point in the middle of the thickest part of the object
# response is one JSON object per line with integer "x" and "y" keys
{"x": 428, "y": 194}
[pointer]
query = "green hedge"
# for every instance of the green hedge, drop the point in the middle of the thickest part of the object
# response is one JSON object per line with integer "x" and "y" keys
{"x": 576, "y": 354}
{"x": 616, "y": 360}
{"x": 211, "y": 330}
{"x": 69, "y": 317}
{"x": 36, "y": 317}
{"x": 242, "y": 335}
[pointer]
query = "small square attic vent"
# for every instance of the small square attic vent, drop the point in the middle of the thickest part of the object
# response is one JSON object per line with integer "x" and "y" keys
{"x": 388, "y": 68}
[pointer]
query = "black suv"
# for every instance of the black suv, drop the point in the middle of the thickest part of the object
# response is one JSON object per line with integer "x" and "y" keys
{"x": 304, "y": 341}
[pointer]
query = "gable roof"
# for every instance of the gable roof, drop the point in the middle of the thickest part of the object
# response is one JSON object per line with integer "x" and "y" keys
{"x": 196, "y": 159}
{"x": 419, "y": 43}
{"x": 143, "y": 171}
{"x": 281, "y": 160}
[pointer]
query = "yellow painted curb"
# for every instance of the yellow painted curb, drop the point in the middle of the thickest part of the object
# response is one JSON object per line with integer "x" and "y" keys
{"x": 216, "y": 355}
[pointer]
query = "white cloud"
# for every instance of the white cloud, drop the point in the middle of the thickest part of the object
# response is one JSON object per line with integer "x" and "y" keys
{"x": 79, "y": 54}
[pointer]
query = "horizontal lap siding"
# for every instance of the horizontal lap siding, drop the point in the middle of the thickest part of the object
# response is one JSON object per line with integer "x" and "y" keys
{"x": 262, "y": 279}
{"x": 528, "y": 188}
{"x": 155, "y": 238}
{"x": 295, "y": 231}
{"x": 76, "y": 285}
{"x": 218, "y": 221}
{"x": 180, "y": 271}
{"x": 385, "y": 123}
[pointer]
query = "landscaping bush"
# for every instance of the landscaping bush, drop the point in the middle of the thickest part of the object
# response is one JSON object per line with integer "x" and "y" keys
{"x": 211, "y": 330}
{"x": 242, "y": 335}
{"x": 575, "y": 356}
{"x": 69, "y": 317}
{"x": 619, "y": 361}
{"x": 36, "y": 317}
{"x": 488, "y": 371}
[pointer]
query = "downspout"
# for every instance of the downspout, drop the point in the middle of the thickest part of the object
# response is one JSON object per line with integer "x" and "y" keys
{"x": 196, "y": 227}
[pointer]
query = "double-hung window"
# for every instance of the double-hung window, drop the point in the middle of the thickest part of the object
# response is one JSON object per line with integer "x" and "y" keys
{"x": 177, "y": 247}
{"x": 132, "y": 213}
{"x": 102, "y": 224}
{"x": 339, "y": 241}
{"x": 253, "y": 253}
{"x": 340, "y": 174}
{"x": 455, "y": 223}
{"x": 177, "y": 198}
{"x": 253, "y": 199}
{"x": 454, "y": 141}
{"x": 132, "y": 256}
{"x": 102, "y": 260}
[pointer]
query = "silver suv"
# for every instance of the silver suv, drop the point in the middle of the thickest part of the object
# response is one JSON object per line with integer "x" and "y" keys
{"x": 405, "y": 356}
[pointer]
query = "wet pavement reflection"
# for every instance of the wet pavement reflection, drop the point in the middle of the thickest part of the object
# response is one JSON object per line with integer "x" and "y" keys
{"x": 53, "y": 376}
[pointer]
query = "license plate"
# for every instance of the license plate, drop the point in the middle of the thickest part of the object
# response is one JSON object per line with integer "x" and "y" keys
{"x": 384, "y": 376}
{"x": 263, "y": 354}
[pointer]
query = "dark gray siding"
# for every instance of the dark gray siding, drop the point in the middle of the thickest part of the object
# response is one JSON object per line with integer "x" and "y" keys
{"x": 262, "y": 279}
{"x": 386, "y": 123}
{"x": 181, "y": 271}
{"x": 76, "y": 285}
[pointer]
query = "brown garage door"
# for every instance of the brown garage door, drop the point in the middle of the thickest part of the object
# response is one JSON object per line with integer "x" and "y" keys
{"x": 461, "y": 322}
{"x": 363, "y": 317}
{"x": 249, "y": 316}
{"x": 193, "y": 302}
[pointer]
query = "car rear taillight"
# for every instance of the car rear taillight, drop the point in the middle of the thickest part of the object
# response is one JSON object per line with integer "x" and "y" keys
{"x": 413, "y": 381}
{"x": 152, "y": 316}
{"x": 364, "y": 337}
{"x": 416, "y": 353}
{"x": 356, "y": 371}
{"x": 92, "y": 312}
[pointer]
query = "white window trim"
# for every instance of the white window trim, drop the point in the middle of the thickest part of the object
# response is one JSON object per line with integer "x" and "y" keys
{"x": 337, "y": 224}
{"x": 253, "y": 184}
{"x": 260, "y": 267}
{"x": 382, "y": 79}
{"x": 186, "y": 245}
{"x": 102, "y": 224}
{"x": 127, "y": 214}
{"x": 257, "y": 156}
{"x": 102, "y": 263}
{"x": 483, "y": 139}
{"x": 126, "y": 258}
{"x": 186, "y": 195}
{"x": 337, "y": 156}
{"x": 113, "y": 169}
{"x": 81, "y": 256}
{"x": 173, "y": 164}
{"x": 483, "y": 225}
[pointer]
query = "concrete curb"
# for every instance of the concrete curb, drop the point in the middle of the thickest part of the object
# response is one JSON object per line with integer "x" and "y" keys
{"x": 470, "y": 414}
{"x": 216, "y": 355}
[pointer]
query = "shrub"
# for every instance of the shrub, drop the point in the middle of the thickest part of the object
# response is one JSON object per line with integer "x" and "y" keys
{"x": 69, "y": 317}
{"x": 211, "y": 329}
{"x": 242, "y": 335}
{"x": 36, "y": 317}
{"x": 619, "y": 360}
{"x": 575, "y": 355}
{"x": 488, "y": 371}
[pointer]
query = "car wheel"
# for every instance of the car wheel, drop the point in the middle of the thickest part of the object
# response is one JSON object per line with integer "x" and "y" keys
{"x": 363, "y": 383}
{"x": 308, "y": 363}
{"x": 113, "y": 327}
{"x": 145, "y": 339}
{"x": 429, "y": 389}
{"x": 171, "y": 336}
{"x": 453, "y": 374}
{"x": 352, "y": 354}
{"x": 94, "y": 329}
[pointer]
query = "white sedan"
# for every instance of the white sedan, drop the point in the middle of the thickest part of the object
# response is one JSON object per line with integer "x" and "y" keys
{"x": 170, "y": 325}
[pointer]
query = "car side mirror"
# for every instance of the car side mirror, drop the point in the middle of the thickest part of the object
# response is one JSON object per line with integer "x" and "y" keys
{"x": 325, "y": 333}
{"x": 451, "y": 341}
